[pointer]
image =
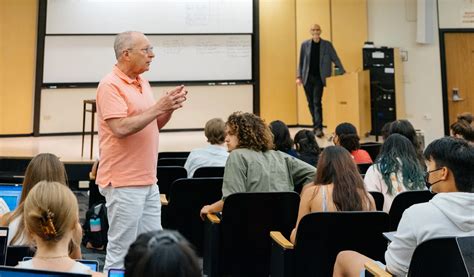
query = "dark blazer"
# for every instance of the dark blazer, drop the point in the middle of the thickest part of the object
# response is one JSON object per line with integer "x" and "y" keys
{"x": 327, "y": 55}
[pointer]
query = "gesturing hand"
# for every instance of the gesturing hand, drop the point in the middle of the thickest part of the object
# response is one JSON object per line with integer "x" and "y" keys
{"x": 173, "y": 99}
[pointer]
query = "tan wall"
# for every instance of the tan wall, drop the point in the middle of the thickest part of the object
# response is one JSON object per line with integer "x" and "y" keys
{"x": 277, "y": 60}
{"x": 18, "y": 24}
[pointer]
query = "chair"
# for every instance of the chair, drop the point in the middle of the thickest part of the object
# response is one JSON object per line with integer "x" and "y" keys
{"x": 321, "y": 236}
{"x": 16, "y": 254}
{"x": 182, "y": 154}
{"x": 373, "y": 148}
{"x": 238, "y": 244}
{"x": 403, "y": 201}
{"x": 209, "y": 171}
{"x": 363, "y": 167}
{"x": 434, "y": 257}
{"x": 172, "y": 162}
{"x": 167, "y": 175}
{"x": 378, "y": 198}
{"x": 186, "y": 198}
{"x": 92, "y": 110}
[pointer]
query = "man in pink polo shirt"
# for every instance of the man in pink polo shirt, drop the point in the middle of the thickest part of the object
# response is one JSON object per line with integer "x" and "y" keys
{"x": 129, "y": 122}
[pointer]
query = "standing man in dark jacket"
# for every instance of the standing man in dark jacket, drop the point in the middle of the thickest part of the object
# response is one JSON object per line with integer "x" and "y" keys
{"x": 316, "y": 57}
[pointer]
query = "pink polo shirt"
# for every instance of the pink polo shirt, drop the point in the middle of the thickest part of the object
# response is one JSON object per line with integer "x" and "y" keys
{"x": 132, "y": 160}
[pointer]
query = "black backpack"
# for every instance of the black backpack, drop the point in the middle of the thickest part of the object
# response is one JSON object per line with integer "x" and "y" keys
{"x": 96, "y": 227}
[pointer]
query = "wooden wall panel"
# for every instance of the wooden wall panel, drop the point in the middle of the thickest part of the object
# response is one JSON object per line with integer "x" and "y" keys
{"x": 277, "y": 60}
{"x": 18, "y": 23}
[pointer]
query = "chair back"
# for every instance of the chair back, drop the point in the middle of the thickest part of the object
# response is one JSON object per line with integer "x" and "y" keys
{"x": 363, "y": 167}
{"x": 248, "y": 218}
{"x": 405, "y": 200}
{"x": 466, "y": 247}
{"x": 167, "y": 175}
{"x": 186, "y": 198}
{"x": 171, "y": 161}
{"x": 209, "y": 171}
{"x": 183, "y": 154}
{"x": 437, "y": 257}
{"x": 321, "y": 236}
{"x": 378, "y": 198}
{"x": 16, "y": 254}
{"x": 373, "y": 148}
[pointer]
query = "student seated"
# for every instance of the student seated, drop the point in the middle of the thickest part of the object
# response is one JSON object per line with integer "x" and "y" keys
{"x": 43, "y": 167}
{"x": 253, "y": 166}
{"x": 51, "y": 217}
{"x": 281, "y": 138}
{"x": 396, "y": 170}
{"x": 307, "y": 147}
{"x": 449, "y": 213}
{"x": 338, "y": 186}
{"x": 214, "y": 154}
{"x": 463, "y": 128}
{"x": 406, "y": 129}
{"x": 346, "y": 136}
{"x": 161, "y": 253}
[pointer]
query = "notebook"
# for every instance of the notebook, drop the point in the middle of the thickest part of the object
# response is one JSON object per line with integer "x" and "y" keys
{"x": 11, "y": 195}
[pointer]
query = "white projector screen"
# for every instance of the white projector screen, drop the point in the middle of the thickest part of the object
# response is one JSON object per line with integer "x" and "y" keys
{"x": 149, "y": 16}
{"x": 84, "y": 59}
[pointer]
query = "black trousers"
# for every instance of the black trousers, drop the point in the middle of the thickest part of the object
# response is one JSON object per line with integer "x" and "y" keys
{"x": 314, "y": 93}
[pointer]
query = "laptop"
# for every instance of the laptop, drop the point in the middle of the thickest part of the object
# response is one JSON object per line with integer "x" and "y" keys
{"x": 466, "y": 247}
{"x": 115, "y": 272}
{"x": 93, "y": 265}
{"x": 11, "y": 195}
{"x": 3, "y": 244}
{"x": 6, "y": 271}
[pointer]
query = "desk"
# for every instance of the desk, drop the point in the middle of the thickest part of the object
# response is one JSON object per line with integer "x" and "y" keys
{"x": 92, "y": 110}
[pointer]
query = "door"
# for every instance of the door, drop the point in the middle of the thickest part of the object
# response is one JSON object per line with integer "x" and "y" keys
{"x": 459, "y": 55}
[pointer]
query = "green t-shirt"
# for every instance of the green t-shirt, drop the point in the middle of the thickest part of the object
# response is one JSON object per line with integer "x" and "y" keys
{"x": 270, "y": 171}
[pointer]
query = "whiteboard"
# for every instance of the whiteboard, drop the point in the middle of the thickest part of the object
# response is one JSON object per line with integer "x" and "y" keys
{"x": 149, "y": 16}
{"x": 84, "y": 59}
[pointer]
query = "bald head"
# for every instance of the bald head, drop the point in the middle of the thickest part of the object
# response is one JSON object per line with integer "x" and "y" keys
{"x": 315, "y": 31}
{"x": 124, "y": 41}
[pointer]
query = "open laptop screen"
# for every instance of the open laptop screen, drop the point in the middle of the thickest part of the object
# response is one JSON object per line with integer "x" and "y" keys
{"x": 21, "y": 272}
{"x": 11, "y": 195}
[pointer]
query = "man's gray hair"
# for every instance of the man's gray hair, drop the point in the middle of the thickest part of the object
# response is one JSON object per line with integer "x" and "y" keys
{"x": 123, "y": 41}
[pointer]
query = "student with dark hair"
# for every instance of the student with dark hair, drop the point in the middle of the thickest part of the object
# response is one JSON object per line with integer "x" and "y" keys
{"x": 281, "y": 138}
{"x": 450, "y": 212}
{"x": 406, "y": 129}
{"x": 215, "y": 154}
{"x": 253, "y": 165}
{"x": 463, "y": 129}
{"x": 395, "y": 170}
{"x": 337, "y": 186}
{"x": 162, "y": 254}
{"x": 346, "y": 136}
{"x": 467, "y": 116}
{"x": 307, "y": 147}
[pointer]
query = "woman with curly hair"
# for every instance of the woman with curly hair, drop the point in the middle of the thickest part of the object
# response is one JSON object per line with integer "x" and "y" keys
{"x": 396, "y": 169}
{"x": 253, "y": 166}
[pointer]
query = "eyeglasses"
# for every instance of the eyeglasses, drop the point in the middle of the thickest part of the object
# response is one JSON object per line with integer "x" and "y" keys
{"x": 148, "y": 50}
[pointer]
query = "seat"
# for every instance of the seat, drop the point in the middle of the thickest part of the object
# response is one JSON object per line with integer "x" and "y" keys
{"x": 373, "y": 148}
{"x": 435, "y": 257}
{"x": 182, "y": 154}
{"x": 209, "y": 171}
{"x": 16, "y": 254}
{"x": 238, "y": 244}
{"x": 378, "y": 198}
{"x": 171, "y": 161}
{"x": 363, "y": 167}
{"x": 186, "y": 198}
{"x": 167, "y": 175}
{"x": 321, "y": 236}
{"x": 405, "y": 200}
